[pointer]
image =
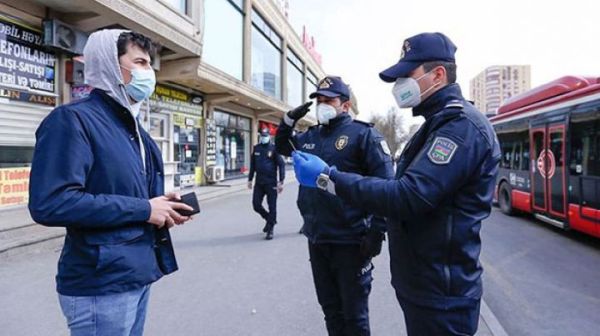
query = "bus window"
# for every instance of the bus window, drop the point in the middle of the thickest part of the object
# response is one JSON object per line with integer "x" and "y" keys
{"x": 585, "y": 149}
{"x": 594, "y": 153}
{"x": 507, "y": 153}
{"x": 556, "y": 146}
{"x": 576, "y": 160}
{"x": 517, "y": 155}
{"x": 525, "y": 159}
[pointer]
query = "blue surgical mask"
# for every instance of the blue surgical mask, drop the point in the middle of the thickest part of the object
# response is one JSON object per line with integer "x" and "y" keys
{"x": 141, "y": 85}
{"x": 265, "y": 139}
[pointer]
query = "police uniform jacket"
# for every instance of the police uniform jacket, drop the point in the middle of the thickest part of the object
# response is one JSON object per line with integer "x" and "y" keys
{"x": 266, "y": 162}
{"x": 352, "y": 146}
{"x": 443, "y": 190}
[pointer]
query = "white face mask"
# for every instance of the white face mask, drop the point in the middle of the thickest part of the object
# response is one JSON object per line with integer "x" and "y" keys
{"x": 325, "y": 112}
{"x": 265, "y": 139}
{"x": 407, "y": 93}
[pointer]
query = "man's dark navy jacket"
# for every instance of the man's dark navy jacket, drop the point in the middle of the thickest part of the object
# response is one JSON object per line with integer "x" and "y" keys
{"x": 88, "y": 176}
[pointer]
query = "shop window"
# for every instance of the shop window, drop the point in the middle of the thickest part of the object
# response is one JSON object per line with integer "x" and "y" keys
{"x": 233, "y": 144}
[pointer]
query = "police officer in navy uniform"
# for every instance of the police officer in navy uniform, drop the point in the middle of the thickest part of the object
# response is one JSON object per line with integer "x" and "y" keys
{"x": 342, "y": 239}
{"x": 442, "y": 191}
{"x": 265, "y": 162}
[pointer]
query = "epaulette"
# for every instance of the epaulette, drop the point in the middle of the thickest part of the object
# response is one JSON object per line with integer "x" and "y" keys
{"x": 364, "y": 123}
{"x": 454, "y": 104}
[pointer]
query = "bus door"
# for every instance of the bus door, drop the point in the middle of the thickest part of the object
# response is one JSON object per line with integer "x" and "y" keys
{"x": 548, "y": 174}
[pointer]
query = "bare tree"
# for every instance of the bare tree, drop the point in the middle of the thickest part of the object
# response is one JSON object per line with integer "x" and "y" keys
{"x": 392, "y": 126}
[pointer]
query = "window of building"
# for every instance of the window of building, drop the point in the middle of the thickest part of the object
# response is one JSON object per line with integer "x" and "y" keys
{"x": 311, "y": 83}
{"x": 294, "y": 79}
{"x": 179, "y": 5}
{"x": 266, "y": 57}
{"x": 223, "y": 36}
{"x": 233, "y": 143}
{"x": 311, "y": 86}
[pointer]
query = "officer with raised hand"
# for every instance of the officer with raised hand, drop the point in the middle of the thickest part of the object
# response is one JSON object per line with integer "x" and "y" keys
{"x": 265, "y": 162}
{"x": 442, "y": 191}
{"x": 342, "y": 238}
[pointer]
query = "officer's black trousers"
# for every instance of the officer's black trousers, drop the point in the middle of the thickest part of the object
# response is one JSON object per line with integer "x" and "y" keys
{"x": 270, "y": 190}
{"x": 342, "y": 279}
{"x": 424, "y": 321}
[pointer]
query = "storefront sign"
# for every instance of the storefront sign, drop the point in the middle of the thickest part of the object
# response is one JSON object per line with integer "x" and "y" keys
{"x": 23, "y": 61}
{"x": 211, "y": 142}
{"x": 14, "y": 186}
{"x": 27, "y": 97}
{"x": 183, "y": 120}
{"x": 172, "y": 100}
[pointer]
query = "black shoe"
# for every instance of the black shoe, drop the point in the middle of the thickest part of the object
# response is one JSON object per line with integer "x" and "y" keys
{"x": 266, "y": 228}
{"x": 269, "y": 235}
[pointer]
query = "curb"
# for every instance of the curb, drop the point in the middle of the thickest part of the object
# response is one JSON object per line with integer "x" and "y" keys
{"x": 491, "y": 320}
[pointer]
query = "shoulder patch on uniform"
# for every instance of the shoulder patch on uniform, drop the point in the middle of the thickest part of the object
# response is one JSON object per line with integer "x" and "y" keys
{"x": 442, "y": 150}
{"x": 385, "y": 147}
{"x": 364, "y": 123}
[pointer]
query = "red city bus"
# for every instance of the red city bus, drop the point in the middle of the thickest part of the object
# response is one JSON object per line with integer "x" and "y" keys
{"x": 550, "y": 167}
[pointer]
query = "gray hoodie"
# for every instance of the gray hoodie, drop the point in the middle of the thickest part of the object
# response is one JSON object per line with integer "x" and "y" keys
{"x": 102, "y": 70}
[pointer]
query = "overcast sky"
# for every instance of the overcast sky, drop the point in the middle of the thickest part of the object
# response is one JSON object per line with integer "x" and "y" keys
{"x": 359, "y": 38}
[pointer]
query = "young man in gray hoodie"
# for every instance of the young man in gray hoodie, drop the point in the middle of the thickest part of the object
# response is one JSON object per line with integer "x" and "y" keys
{"x": 97, "y": 173}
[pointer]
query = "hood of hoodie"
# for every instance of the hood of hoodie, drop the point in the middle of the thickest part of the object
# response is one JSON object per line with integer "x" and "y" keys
{"x": 102, "y": 69}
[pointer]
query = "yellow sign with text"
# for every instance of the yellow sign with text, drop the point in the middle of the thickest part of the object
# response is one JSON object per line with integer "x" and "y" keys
{"x": 14, "y": 186}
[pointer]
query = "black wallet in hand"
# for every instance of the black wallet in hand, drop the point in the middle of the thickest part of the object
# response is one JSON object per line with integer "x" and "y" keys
{"x": 191, "y": 200}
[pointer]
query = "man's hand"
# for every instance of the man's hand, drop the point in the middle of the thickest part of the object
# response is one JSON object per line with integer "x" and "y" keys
{"x": 371, "y": 244}
{"x": 163, "y": 211}
{"x": 300, "y": 111}
{"x": 279, "y": 187}
{"x": 250, "y": 185}
{"x": 308, "y": 167}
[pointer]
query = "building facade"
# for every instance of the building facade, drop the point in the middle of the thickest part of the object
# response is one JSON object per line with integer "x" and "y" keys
{"x": 494, "y": 85}
{"x": 225, "y": 68}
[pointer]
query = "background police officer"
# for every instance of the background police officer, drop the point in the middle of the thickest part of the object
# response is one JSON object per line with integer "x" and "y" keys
{"x": 265, "y": 162}
{"x": 442, "y": 191}
{"x": 342, "y": 238}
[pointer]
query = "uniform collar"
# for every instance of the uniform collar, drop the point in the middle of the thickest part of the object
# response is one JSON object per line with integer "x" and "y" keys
{"x": 438, "y": 101}
{"x": 341, "y": 119}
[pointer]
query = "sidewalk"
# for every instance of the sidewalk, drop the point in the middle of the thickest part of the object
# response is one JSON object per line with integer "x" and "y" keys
{"x": 20, "y": 234}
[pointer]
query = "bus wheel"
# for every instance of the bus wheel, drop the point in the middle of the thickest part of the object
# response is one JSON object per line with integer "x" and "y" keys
{"x": 505, "y": 199}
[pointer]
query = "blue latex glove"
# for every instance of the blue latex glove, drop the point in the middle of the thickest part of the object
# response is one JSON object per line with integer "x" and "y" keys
{"x": 308, "y": 167}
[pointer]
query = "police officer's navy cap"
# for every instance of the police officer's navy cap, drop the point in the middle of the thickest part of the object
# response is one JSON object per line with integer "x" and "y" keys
{"x": 264, "y": 132}
{"x": 331, "y": 86}
{"x": 416, "y": 50}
